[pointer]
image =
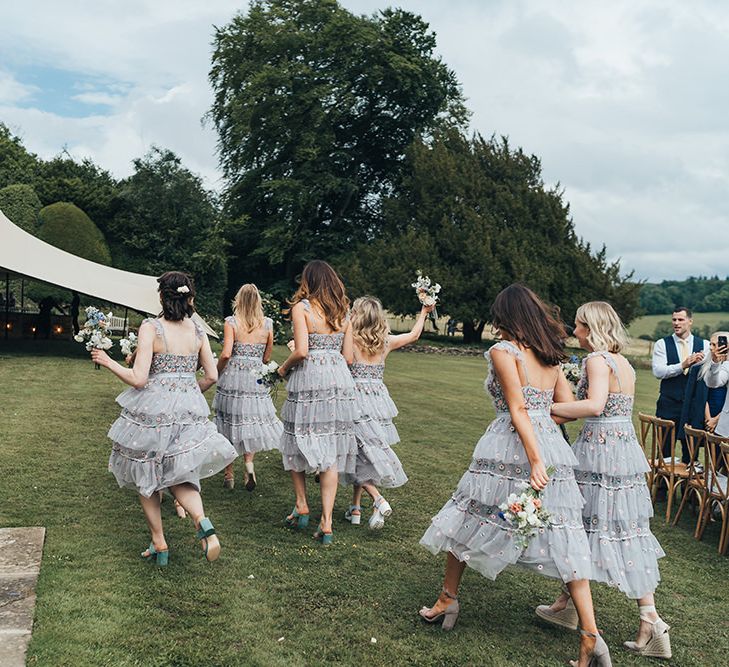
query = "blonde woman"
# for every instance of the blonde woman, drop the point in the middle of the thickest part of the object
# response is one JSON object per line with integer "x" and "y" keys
{"x": 320, "y": 408}
{"x": 611, "y": 476}
{"x": 244, "y": 411}
{"x": 377, "y": 465}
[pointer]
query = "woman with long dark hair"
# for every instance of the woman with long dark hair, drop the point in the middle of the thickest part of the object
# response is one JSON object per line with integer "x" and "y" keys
{"x": 319, "y": 411}
{"x": 519, "y": 447}
{"x": 163, "y": 439}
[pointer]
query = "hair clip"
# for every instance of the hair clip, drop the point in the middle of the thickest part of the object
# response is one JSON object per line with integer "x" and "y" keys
{"x": 183, "y": 289}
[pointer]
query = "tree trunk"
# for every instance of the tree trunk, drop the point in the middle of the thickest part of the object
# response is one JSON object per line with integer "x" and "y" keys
{"x": 472, "y": 331}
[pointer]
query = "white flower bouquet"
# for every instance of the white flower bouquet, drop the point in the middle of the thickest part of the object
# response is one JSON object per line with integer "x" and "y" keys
{"x": 572, "y": 371}
{"x": 426, "y": 291}
{"x": 525, "y": 513}
{"x": 129, "y": 344}
{"x": 93, "y": 333}
{"x": 267, "y": 375}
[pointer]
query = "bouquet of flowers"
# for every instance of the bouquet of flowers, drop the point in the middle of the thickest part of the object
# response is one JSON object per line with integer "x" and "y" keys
{"x": 93, "y": 333}
{"x": 426, "y": 291}
{"x": 525, "y": 513}
{"x": 267, "y": 375}
{"x": 572, "y": 371}
{"x": 128, "y": 344}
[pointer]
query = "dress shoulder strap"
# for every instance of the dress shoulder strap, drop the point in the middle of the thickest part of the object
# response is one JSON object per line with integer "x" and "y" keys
{"x": 158, "y": 329}
{"x": 610, "y": 362}
{"x": 268, "y": 324}
{"x": 199, "y": 331}
{"x": 232, "y": 321}
{"x": 513, "y": 350}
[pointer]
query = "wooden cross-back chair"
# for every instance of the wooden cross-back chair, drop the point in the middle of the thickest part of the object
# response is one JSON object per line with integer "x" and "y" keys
{"x": 695, "y": 485}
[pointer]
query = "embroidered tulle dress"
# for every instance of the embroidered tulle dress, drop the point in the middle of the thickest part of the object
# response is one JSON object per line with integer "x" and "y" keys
{"x": 244, "y": 411}
{"x": 319, "y": 412}
{"x": 469, "y": 526}
{"x": 164, "y": 436}
{"x": 376, "y": 462}
{"x": 611, "y": 475}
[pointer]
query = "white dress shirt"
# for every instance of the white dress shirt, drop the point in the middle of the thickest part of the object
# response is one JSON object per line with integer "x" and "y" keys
{"x": 718, "y": 376}
{"x": 661, "y": 368}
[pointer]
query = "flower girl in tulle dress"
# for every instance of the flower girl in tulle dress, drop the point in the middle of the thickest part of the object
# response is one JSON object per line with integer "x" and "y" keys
{"x": 163, "y": 439}
{"x": 319, "y": 411}
{"x": 377, "y": 464}
{"x": 244, "y": 411}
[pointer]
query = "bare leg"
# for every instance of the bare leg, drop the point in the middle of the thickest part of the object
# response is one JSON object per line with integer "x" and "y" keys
{"x": 228, "y": 474}
{"x": 451, "y": 583}
{"x": 581, "y": 596}
{"x": 189, "y": 497}
{"x": 645, "y": 629}
{"x": 328, "y": 479}
{"x": 153, "y": 515}
{"x": 248, "y": 457}
{"x": 371, "y": 491}
{"x": 357, "y": 498}
{"x": 299, "y": 482}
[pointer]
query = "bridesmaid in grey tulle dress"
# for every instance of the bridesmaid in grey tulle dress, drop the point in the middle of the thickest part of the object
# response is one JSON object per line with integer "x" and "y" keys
{"x": 319, "y": 411}
{"x": 611, "y": 475}
{"x": 163, "y": 439}
{"x": 518, "y": 447}
{"x": 244, "y": 411}
{"x": 377, "y": 464}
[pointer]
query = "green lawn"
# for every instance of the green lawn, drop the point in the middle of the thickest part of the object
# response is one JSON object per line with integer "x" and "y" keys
{"x": 99, "y": 604}
{"x": 646, "y": 325}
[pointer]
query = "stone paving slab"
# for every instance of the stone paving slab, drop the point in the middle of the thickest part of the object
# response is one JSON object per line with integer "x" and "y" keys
{"x": 21, "y": 550}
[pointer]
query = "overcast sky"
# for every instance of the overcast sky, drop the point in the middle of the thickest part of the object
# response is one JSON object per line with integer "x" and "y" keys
{"x": 626, "y": 103}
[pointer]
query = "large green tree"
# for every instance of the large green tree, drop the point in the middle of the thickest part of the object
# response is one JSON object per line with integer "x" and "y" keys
{"x": 167, "y": 220}
{"x": 476, "y": 216}
{"x": 17, "y": 164}
{"x": 21, "y": 205}
{"x": 315, "y": 108}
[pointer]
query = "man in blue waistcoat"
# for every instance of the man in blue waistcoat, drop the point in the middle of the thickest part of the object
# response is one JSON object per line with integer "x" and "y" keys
{"x": 673, "y": 357}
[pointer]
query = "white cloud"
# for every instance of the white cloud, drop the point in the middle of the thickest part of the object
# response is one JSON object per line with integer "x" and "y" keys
{"x": 13, "y": 91}
{"x": 97, "y": 98}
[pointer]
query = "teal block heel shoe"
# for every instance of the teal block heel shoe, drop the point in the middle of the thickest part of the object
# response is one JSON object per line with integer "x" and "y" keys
{"x": 296, "y": 520}
{"x": 211, "y": 544}
{"x": 325, "y": 538}
{"x": 159, "y": 557}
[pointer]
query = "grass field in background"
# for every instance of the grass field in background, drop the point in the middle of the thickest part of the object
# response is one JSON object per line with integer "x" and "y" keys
{"x": 646, "y": 325}
{"x": 99, "y": 604}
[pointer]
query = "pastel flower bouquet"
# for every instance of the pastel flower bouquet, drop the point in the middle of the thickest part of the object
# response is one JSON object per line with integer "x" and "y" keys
{"x": 93, "y": 333}
{"x": 426, "y": 291}
{"x": 128, "y": 346}
{"x": 525, "y": 513}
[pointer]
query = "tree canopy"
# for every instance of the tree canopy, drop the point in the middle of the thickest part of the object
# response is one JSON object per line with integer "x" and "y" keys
{"x": 315, "y": 108}
{"x": 21, "y": 205}
{"x": 167, "y": 220}
{"x": 476, "y": 216}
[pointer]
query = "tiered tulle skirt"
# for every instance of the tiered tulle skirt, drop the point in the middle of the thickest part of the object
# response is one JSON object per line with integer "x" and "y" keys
{"x": 164, "y": 437}
{"x": 469, "y": 526}
{"x": 374, "y": 431}
{"x": 611, "y": 475}
{"x": 318, "y": 415}
{"x": 244, "y": 411}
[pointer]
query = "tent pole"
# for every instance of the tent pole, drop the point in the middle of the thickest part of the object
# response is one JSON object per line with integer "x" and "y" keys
{"x": 22, "y": 305}
{"x": 126, "y": 322}
{"x": 7, "y": 305}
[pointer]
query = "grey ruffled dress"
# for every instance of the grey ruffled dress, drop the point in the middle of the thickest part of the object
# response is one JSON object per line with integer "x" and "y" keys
{"x": 469, "y": 525}
{"x": 611, "y": 472}
{"x": 376, "y": 462}
{"x": 164, "y": 436}
{"x": 319, "y": 412}
{"x": 244, "y": 411}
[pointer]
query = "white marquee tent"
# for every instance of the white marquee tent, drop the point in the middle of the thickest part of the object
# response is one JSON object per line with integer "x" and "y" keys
{"x": 24, "y": 255}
